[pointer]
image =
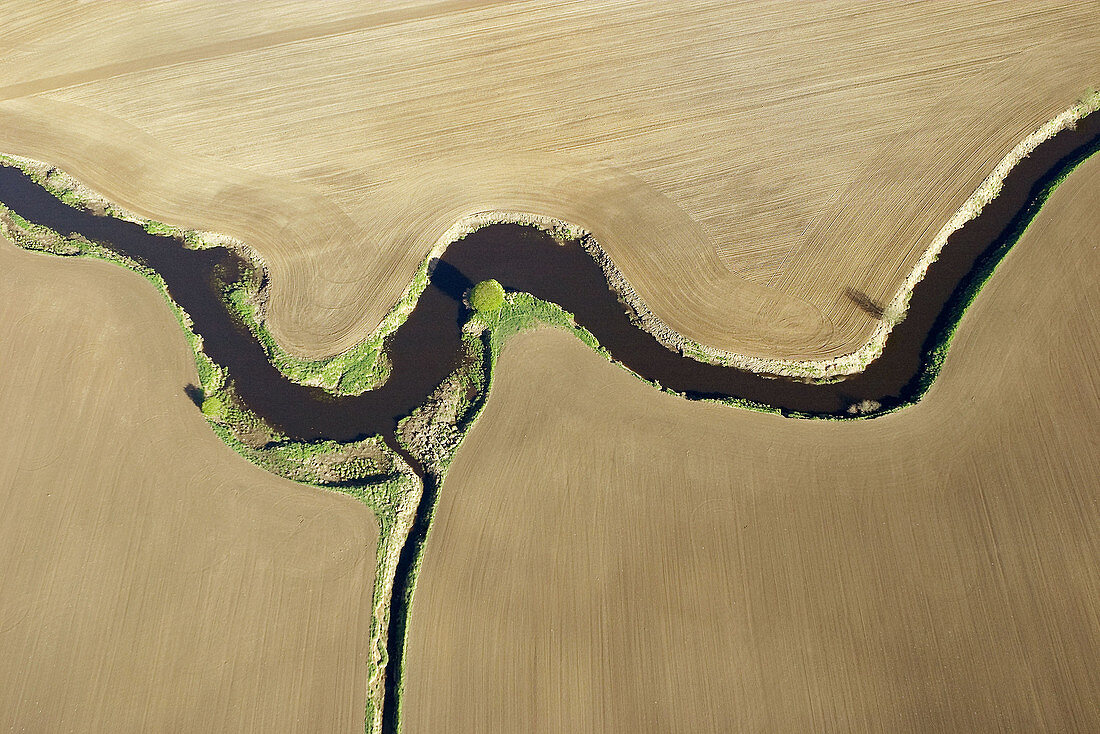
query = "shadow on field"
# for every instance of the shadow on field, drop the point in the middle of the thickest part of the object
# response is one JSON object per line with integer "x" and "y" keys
{"x": 865, "y": 303}
{"x": 195, "y": 393}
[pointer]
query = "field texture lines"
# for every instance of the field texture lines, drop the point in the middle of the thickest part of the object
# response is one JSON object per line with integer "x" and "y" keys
{"x": 763, "y": 182}
{"x": 154, "y": 580}
{"x": 608, "y": 558}
{"x": 744, "y": 164}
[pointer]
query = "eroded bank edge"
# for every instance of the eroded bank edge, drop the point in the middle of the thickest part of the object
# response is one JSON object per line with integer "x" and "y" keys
{"x": 395, "y": 499}
{"x": 524, "y": 311}
{"x": 363, "y": 366}
{"x": 391, "y": 489}
{"x": 807, "y": 370}
{"x": 895, "y": 309}
{"x": 366, "y": 470}
{"x": 938, "y": 342}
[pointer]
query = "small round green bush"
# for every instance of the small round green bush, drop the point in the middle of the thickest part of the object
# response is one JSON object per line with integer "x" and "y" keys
{"x": 213, "y": 407}
{"x": 487, "y": 297}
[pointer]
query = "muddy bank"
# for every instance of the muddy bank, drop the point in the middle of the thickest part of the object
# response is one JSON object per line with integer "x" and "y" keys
{"x": 575, "y": 274}
{"x": 427, "y": 346}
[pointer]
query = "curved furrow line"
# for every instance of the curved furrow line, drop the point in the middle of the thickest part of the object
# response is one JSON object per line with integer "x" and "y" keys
{"x": 440, "y": 369}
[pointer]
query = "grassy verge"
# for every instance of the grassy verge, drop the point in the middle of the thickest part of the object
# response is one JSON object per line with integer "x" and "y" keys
{"x": 351, "y": 372}
{"x": 939, "y": 341}
{"x": 366, "y": 470}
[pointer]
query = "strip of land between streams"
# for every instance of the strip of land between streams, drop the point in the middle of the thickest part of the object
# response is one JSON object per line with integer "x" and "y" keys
{"x": 428, "y": 346}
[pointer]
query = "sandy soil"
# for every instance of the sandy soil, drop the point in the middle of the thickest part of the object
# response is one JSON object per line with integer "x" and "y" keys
{"x": 744, "y": 164}
{"x": 609, "y": 558}
{"x": 152, "y": 579}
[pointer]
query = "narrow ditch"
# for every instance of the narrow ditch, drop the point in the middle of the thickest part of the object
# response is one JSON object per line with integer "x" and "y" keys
{"x": 427, "y": 347}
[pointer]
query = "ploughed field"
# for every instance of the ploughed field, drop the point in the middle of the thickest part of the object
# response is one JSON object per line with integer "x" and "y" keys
{"x": 527, "y": 260}
{"x": 152, "y": 579}
{"x": 609, "y": 558}
{"x": 747, "y": 166}
{"x": 604, "y": 556}
{"x": 428, "y": 345}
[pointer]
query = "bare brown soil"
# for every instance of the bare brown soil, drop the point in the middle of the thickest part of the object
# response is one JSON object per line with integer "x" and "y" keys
{"x": 746, "y": 166}
{"x": 152, "y": 579}
{"x": 609, "y": 558}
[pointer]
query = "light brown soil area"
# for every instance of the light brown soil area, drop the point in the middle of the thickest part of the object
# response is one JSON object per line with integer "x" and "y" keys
{"x": 744, "y": 164}
{"x": 608, "y": 558}
{"x": 152, "y": 580}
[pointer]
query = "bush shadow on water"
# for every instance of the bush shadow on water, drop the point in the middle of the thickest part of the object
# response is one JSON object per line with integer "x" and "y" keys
{"x": 428, "y": 345}
{"x": 448, "y": 278}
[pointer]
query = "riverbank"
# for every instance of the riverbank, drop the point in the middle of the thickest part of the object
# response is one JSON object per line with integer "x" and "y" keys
{"x": 393, "y": 492}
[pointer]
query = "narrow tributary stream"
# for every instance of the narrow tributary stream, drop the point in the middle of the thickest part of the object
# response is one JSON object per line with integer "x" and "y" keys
{"x": 427, "y": 347}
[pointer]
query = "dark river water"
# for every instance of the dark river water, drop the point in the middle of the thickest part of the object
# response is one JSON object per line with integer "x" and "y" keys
{"x": 427, "y": 347}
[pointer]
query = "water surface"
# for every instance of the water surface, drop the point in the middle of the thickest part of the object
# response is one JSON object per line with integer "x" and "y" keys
{"x": 427, "y": 347}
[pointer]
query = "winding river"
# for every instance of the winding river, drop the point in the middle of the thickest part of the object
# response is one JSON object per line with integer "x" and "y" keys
{"x": 427, "y": 347}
